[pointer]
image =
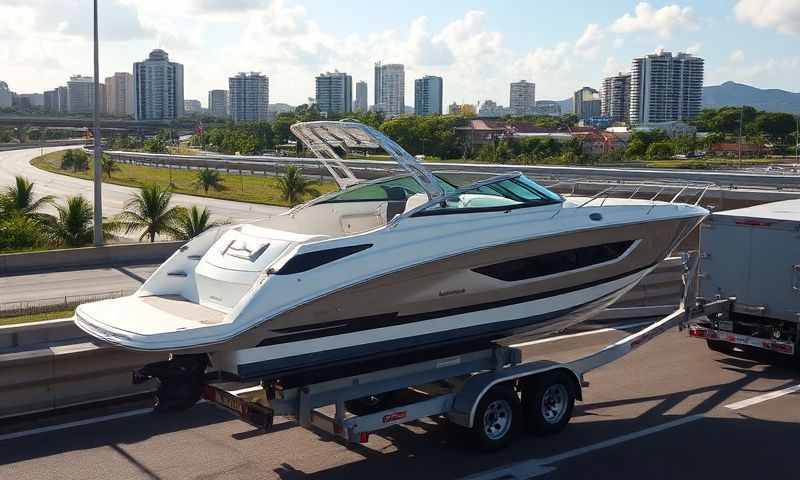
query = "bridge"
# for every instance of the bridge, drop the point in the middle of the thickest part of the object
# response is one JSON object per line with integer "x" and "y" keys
{"x": 139, "y": 127}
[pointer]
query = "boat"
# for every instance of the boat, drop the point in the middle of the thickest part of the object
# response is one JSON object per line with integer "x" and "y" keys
{"x": 415, "y": 261}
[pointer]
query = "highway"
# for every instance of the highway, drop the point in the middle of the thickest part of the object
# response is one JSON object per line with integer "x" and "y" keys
{"x": 672, "y": 409}
{"x": 17, "y": 162}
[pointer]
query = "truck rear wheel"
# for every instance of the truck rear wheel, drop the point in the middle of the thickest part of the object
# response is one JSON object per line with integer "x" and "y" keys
{"x": 495, "y": 415}
{"x": 177, "y": 393}
{"x": 719, "y": 346}
{"x": 547, "y": 402}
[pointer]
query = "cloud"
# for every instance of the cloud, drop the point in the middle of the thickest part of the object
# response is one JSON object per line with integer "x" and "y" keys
{"x": 694, "y": 48}
{"x": 589, "y": 42}
{"x": 737, "y": 56}
{"x": 661, "y": 22}
{"x": 781, "y": 15}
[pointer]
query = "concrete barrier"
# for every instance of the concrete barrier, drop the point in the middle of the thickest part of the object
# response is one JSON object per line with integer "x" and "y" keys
{"x": 117, "y": 254}
{"x": 53, "y": 364}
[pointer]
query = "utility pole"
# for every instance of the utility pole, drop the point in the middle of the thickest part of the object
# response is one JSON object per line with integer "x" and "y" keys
{"x": 797, "y": 141}
{"x": 98, "y": 153}
{"x": 741, "y": 117}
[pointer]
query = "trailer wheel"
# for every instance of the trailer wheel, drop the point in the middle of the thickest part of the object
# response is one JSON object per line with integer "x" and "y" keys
{"x": 494, "y": 425}
{"x": 547, "y": 401}
{"x": 719, "y": 346}
{"x": 176, "y": 394}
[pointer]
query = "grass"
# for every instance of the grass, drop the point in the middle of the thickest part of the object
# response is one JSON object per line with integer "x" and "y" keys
{"x": 38, "y": 317}
{"x": 241, "y": 188}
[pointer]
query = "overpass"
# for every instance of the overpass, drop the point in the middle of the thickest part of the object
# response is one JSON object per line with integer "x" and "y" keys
{"x": 106, "y": 124}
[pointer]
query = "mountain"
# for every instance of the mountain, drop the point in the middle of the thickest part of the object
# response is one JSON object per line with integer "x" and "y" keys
{"x": 735, "y": 94}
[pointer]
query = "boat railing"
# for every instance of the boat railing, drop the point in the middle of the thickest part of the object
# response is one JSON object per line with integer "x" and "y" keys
{"x": 680, "y": 192}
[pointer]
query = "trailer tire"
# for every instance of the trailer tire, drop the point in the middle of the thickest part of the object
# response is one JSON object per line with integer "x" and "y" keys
{"x": 174, "y": 394}
{"x": 494, "y": 424}
{"x": 547, "y": 402}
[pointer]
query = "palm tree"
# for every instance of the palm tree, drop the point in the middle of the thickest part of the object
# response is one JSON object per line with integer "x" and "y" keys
{"x": 73, "y": 225}
{"x": 19, "y": 199}
{"x": 108, "y": 164}
{"x": 75, "y": 159}
{"x": 208, "y": 178}
{"x": 294, "y": 186}
{"x": 195, "y": 221}
{"x": 150, "y": 212}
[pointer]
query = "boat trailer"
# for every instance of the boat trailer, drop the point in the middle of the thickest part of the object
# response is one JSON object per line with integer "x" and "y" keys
{"x": 488, "y": 392}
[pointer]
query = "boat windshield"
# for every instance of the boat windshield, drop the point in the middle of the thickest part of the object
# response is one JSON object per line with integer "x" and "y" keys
{"x": 501, "y": 192}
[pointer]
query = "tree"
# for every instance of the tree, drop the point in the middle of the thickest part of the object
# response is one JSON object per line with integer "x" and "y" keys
{"x": 193, "y": 222}
{"x": 208, "y": 178}
{"x": 294, "y": 186}
{"x": 155, "y": 145}
{"x": 19, "y": 232}
{"x": 149, "y": 211}
{"x": 75, "y": 159}
{"x": 73, "y": 225}
{"x": 660, "y": 151}
{"x": 109, "y": 165}
{"x": 775, "y": 125}
{"x": 19, "y": 199}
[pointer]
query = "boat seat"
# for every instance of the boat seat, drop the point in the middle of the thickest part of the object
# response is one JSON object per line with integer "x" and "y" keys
{"x": 415, "y": 201}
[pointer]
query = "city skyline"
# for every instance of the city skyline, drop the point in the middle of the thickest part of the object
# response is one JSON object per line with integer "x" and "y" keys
{"x": 478, "y": 52}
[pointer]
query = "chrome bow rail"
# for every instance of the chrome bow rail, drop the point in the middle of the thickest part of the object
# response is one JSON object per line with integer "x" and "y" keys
{"x": 643, "y": 189}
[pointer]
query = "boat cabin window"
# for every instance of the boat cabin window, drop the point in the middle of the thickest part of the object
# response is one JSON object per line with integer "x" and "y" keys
{"x": 395, "y": 189}
{"x": 516, "y": 192}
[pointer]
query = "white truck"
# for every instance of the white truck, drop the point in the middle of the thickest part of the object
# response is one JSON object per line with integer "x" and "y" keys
{"x": 749, "y": 281}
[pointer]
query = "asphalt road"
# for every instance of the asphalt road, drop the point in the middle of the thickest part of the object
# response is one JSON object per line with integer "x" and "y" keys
{"x": 57, "y": 285}
{"x": 671, "y": 409}
{"x": 17, "y": 162}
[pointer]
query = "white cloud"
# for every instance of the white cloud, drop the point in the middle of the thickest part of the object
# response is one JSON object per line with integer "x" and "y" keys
{"x": 613, "y": 67}
{"x": 589, "y": 42}
{"x": 662, "y": 21}
{"x": 694, "y": 49}
{"x": 781, "y": 15}
{"x": 737, "y": 56}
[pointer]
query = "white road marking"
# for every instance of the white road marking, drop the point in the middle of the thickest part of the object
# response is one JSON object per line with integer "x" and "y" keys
{"x": 763, "y": 398}
{"x": 582, "y": 334}
{"x": 540, "y": 466}
{"x": 77, "y": 423}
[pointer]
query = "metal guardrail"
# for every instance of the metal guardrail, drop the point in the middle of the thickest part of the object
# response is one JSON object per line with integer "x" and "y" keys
{"x": 54, "y": 304}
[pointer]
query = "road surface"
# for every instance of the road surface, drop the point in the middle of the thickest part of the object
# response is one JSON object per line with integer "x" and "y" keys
{"x": 17, "y": 162}
{"x": 672, "y": 409}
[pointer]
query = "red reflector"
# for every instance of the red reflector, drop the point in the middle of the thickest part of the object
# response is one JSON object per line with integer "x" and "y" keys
{"x": 394, "y": 416}
{"x": 363, "y": 437}
{"x": 779, "y": 347}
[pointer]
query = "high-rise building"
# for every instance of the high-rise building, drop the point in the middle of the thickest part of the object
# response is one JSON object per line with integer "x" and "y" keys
{"x": 390, "y": 87}
{"x": 334, "y": 92}
{"x": 491, "y": 109}
{"x": 249, "y": 96}
{"x": 52, "y": 100}
{"x": 428, "y": 95}
{"x": 586, "y": 104}
{"x": 615, "y": 98}
{"x": 665, "y": 88}
{"x": 218, "y": 103}
{"x": 119, "y": 94}
{"x": 158, "y": 87}
{"x": 80, "y": 95}
{"x": 522, "y": 98}
{"x": 361, "y": 103}
{"x": 548, "y": 107}
{"x": 6, "y": 95}
{"x": 192, "y": 106}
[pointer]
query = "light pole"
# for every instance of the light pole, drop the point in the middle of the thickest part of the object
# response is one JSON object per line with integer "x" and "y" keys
{"x": 98, "y": 153}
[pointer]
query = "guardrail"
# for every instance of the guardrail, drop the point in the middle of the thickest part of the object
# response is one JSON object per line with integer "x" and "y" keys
{"x": 109, "y": 255}
{"x": 54, "y": 304}
{"x": 272, "y": 163}
{"x": 53, "y": 364}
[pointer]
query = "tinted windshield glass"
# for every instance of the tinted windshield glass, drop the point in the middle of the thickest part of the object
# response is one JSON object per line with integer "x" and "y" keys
{"x": 505, "y": 193}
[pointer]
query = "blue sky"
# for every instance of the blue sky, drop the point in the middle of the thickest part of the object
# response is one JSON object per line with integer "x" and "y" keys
{"x": 478, "y": 47}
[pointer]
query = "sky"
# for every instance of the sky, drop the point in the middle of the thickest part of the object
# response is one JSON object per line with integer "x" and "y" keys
{"x": 479, "y": 47}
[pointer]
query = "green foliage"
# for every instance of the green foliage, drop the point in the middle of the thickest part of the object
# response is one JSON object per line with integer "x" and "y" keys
{"x": 6, "y": 135}
{"x": 125, "y": 142}
{"x": 18, "y": 199}
{"x": 774, "y": 125}
{"x": 108, "y": 165}
{"x": 208, "y": 178}
{"x": 426, "y": 135}
{"x": 18, "y": 232}
{"x": 73, "y": 225}
{"x": 244, "y": 138}
{"x": 660, "y": 151}
{"x": 149, "y": 212}
{"x": 75, "y": 160}
{"x": 155, "y": 145}
{"x": 193, "y": 222}
{"x": 294, "y": 186}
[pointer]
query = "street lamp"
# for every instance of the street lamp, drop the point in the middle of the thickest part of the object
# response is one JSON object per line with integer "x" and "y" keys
{"x": 98, "y": 153}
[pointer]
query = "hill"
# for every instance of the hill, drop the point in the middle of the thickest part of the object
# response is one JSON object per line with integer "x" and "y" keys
{"x": 734, "y": 94}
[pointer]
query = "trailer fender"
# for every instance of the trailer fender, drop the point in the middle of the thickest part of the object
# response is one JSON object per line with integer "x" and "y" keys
{"x": 467, "y": 400}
